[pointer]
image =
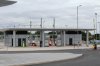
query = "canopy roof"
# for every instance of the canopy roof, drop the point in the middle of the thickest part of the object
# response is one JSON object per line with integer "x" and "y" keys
{"x": 46, "y": 29}
{"x": 6, "y": 3}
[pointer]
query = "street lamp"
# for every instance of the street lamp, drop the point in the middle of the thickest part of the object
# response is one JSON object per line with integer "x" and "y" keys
{"x": 30, "y": 36}
{"x": 77, "y": 14}
{"x": 96, "y": 24}
{"x": 41, "y": 23}
{"x": 54, "y": 23}
{"x": 78, "y": 18}
{"x": 53, "y": 35}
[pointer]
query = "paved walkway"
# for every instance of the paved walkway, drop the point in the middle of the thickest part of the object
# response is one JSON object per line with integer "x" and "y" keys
{"x": 43, "y": 48}
{"x": 34, "y": 58}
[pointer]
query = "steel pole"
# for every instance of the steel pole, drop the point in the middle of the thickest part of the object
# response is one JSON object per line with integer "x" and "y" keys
{"x": 96, "y": 24}
{"x": 78, "y": 20}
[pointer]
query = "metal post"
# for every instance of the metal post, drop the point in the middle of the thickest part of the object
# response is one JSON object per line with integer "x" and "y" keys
{"x": 30, "y": 38}
{"x": 96, "y": 24}
{"x": 54, "y": 23}
{"x": 56, "y": 38}
{"x": 42, "y": 34}
{"x": 87, "y": 37}
{"x": 53, "y": 36}
{"x": 4, "y": 37}
{"x": 99, "y": 31}
{"x": 94, "y": 28}
{"x": 77, "y": 14}
{"x": 30, "y": 24}
{"x": 41, "y": 23}
{"x": 78, "y": 19}
{"x": 64, "y": 36}
{"x": 14, "y": 38}
{"x": 43, "y": 40}
{"x": 62, "y": 39}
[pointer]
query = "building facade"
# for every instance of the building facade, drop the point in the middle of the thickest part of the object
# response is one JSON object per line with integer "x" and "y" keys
{"x": 18, "y": 37}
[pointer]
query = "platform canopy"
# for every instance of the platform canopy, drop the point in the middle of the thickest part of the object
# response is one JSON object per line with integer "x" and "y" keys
{"x": 45, "y": 29}
{"x": 6, "y": 2}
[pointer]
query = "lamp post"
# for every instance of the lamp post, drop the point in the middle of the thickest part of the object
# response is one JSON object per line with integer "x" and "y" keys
{"x": 96, "y": 24}
{"x": 30, "y": 36}
{"x": 53, "y": 36}
{"x": 41, "y": 23}
{"x": 78, "y": 18}
{"x": 78, "y": 15}
{"x": 54, "y": 23}
{"x": 42, "y": 41}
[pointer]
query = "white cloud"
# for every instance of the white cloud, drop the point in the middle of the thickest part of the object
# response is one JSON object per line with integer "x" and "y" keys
{"x": 63, "y": 10}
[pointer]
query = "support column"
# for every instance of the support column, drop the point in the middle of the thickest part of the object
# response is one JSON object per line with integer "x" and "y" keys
{"x": 56, "y": 39}
{"x": 14, "y": 38}
{"x": 4, "y": 38}
{"x": 64, "y": 37}
{"x": 87, "y": 37}
{"x": 42, "y": 38}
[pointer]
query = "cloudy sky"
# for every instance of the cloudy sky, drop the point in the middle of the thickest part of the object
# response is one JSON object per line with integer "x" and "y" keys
{"x": 64, "y": 11}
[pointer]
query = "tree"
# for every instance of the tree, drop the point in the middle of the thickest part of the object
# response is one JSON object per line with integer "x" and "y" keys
{"x": 1, "y": 33}
{"x": 37, "y": 33}
{"x": 84, "y": 36}
{"x": 96, "y": 36}
{"x": 52, "y": 34}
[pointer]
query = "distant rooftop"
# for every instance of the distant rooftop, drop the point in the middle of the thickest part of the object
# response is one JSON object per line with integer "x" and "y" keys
{"x": 6, "y": 2}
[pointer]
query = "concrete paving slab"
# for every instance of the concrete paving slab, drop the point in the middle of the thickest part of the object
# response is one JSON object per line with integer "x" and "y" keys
{"x": 43, "y": 48}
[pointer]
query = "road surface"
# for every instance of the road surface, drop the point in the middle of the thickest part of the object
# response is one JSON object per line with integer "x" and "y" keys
{"x": 90, "y": 58}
